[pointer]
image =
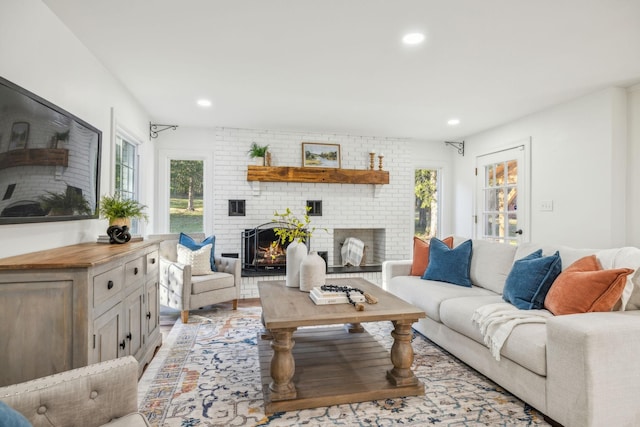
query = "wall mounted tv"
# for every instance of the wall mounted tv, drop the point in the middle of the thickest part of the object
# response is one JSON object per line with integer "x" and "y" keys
{"x": 49, "y": 160}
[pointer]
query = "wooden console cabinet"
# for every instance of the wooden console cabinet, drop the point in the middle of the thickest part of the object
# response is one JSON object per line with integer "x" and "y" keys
{"x": 72, "y": 306}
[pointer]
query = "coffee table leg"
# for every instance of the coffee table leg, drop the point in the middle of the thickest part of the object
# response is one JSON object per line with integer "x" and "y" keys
{"x": 402, "y": 354}
{"x": 354, "y": 328}
{"x": 282, "y": 365}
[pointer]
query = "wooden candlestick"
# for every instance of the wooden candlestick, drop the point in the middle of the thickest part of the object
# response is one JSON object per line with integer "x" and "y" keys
{"x": 372, "y": 155}
{"x": 380, "y": 162}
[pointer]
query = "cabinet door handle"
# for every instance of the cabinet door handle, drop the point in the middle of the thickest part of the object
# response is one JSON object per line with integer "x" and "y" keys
{"x": 123, "y": 344}
{"x": 135, "y": 270}
{"x": 153, "y": 260}
{"x": 129, "y": 336}
{"x": 110, "y": 284}
{"x": 149, "y": 315}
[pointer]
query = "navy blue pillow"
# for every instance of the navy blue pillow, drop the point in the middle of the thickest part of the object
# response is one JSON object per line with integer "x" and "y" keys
{"x": 187, "y": 241}
{"x": 530, "y": 279}
{"x": 449, "y": 265}
{"x": 9, "y": 417}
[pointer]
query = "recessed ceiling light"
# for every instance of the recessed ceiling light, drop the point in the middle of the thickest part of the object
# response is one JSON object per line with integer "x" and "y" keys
{"x": 413, "y": 38}
{"x": 453, "y": 122}
{"x": 204, "y": 103}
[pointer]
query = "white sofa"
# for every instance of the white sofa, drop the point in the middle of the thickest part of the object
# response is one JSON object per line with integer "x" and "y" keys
{"x": 580, "y": 370}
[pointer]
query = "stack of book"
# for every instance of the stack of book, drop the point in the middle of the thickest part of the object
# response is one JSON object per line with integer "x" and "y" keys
{"x": 321, "y": 297}
{"x": 103, "y": 238}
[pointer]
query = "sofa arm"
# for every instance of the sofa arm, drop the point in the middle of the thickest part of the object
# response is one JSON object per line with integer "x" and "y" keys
{"x": 174, "y": 277}
{"x": 592, "y": 369}
{"x": 89, "y": 396}
{"x": 392, "y": 269}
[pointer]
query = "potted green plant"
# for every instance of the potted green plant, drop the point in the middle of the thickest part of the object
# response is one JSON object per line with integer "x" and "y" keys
{"x": 68, "y": 202}
{"x": 120, "y": 210}
{"x": 258, "y": 153}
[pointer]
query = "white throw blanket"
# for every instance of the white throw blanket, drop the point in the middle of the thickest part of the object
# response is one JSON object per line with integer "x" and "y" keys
{"x": 352, "y": 251}
{"x": 496, "y": 321}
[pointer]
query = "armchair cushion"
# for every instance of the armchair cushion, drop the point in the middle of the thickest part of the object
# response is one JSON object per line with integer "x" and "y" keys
{"x": 198, "y": 259}
{"x": 211, "y": 282}
{"x": 12, "y": 418}
{"x": 190, "y": 243}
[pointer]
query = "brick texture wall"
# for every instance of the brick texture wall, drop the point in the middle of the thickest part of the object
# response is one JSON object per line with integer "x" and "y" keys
{"x": 350, "y": 206}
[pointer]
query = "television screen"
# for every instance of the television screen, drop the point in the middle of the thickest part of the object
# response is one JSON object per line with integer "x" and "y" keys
{"x": 49, "y": 160}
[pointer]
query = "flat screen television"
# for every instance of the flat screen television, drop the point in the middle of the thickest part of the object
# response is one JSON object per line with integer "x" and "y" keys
{"x": 49, "y": 160}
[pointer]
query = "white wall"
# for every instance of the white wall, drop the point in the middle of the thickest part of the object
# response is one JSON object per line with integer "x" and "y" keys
{"x": 633, "y": 166}
{"x": 577, "y": 161}
{"x": 344, "y": 205}
{"x": 40, "y": 54}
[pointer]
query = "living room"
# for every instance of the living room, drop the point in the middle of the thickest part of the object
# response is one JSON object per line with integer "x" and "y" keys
{"x": 583, "y": 145}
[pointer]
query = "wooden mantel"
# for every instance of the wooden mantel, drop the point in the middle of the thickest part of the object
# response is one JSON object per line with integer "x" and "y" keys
{"x": 313, "y": 174}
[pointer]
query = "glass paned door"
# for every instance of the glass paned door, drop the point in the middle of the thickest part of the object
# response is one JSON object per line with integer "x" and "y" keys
{"x": 426, "y": 191}
{"x": 501, "y": 188}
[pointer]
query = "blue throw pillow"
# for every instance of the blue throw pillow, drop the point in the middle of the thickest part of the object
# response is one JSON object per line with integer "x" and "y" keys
{"x": 530, "y": 279}
{"x": 449, "y": 265}
{"x": 9, "y": 417}
{"x": 187, "y": 241}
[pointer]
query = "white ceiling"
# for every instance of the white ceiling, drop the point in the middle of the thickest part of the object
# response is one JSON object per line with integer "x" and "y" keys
{"x": 339, "y": 65}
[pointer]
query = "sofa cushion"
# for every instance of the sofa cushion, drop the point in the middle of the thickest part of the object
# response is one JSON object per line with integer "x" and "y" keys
{"x": 421, "y": 255}
{"x": 624, "y": 257}
{"x": 211, "y": 282}
{"x": 525, "y": 346}
{"x": 449, "y": 265}
{"x": 428, "y": 294}
{"x": 530, "y": 279}
{"x": 585, "y": 287}
{"x": 490, "y": 264}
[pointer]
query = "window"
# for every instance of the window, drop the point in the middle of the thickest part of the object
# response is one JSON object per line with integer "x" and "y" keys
{"x": 502, "y": 196}
{"x": 426, "y": 203}
{"x": 186, "y": 208}
{"x": 127, "y": 173}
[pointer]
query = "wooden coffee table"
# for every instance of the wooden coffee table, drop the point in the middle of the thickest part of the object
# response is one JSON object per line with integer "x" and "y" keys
{"x": 313, "y": 367}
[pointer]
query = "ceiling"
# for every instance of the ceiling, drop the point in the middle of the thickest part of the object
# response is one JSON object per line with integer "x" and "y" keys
{"x": 339, "y": 66}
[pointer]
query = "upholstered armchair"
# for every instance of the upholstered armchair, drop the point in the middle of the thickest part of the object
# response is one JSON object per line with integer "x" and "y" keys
{"x": 104, "y": 393}
{"x": 180, "y": 290}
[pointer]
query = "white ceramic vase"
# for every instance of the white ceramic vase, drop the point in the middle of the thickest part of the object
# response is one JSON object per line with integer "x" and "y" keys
{"x": 296, "y": 253}
{"x": 313, "y": 272}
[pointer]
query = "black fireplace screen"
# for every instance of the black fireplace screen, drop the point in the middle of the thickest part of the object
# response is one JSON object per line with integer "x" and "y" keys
{"x": 262, "y": 250}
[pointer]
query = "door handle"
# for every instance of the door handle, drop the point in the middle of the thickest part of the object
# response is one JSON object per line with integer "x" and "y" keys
{"x": 519, "y": 231}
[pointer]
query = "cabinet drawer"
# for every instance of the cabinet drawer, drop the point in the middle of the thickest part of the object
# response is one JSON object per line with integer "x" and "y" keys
{"x": 107, "y": 285}
{"x": 152, "y": 262}
{"x": 134, "y": 271}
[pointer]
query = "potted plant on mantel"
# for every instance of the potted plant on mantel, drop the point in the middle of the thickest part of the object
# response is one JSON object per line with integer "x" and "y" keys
{"x": 119, "y": 210}
{"x": 304, "y": 270}
{"x": 258, "y": 153}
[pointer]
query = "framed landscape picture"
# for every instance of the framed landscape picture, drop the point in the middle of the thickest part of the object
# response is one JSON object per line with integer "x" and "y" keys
{"x": 320, "y": 155}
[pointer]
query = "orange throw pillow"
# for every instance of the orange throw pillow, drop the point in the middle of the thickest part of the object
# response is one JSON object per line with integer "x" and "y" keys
{"x": 421, "y": 255}
{"x": 585, "y": 287}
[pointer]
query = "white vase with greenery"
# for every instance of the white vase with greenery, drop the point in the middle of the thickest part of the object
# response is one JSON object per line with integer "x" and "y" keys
{"x": 294, "y": 231}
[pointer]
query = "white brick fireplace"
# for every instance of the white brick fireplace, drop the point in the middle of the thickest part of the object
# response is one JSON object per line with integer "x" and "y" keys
{"x": 380, "y": 215}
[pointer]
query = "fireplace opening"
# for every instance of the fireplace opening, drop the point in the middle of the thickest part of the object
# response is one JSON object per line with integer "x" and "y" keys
{"x": 262, "y": 251}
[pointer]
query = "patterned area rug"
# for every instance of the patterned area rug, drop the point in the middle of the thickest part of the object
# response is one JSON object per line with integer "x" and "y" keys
{"x": 207, "y": 374}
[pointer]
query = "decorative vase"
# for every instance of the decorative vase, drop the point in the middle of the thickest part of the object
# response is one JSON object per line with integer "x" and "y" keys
{"x": 296, "y": 253}
{"x": 312, "y": 272}
{"x": 259, "y": 161}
